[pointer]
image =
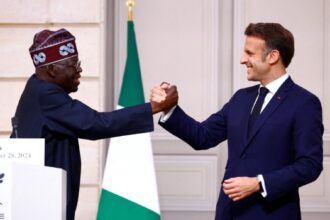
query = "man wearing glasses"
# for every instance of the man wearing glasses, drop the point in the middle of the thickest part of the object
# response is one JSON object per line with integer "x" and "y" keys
{"x": 45, "y": 109}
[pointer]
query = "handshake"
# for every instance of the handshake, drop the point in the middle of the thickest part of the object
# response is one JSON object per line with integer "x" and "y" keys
{"x": 163, "y": 97}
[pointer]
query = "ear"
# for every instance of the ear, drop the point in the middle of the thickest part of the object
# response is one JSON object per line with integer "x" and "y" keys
{"x": 51, "y": 71}
{"x": 274, "y": 56}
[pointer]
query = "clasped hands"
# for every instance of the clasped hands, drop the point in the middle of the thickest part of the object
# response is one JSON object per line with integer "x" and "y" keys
{"x": 163, "y": 97}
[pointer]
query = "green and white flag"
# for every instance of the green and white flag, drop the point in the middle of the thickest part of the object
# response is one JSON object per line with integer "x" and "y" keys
{"x": 129, "y": 190}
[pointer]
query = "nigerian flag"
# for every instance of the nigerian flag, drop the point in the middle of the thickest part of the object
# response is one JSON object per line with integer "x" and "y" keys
{"x": 129, "y": 189}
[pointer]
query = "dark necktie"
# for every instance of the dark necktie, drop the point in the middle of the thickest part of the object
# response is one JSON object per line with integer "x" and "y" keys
{"x": 257, "y": 107}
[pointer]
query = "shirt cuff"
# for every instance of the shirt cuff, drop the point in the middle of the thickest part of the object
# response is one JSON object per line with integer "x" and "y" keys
{"x": 264, "y": 191}
{"x": 164, "y": 117}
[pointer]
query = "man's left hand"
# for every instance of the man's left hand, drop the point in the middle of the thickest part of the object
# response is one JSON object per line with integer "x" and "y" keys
{"x": 238, "y": 188}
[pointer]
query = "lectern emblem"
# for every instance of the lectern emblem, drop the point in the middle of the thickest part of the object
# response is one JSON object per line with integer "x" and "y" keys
{"x": 2, "y": 175}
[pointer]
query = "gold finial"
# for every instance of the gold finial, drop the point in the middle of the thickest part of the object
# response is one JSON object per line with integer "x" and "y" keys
{"x": 130, "y": 4}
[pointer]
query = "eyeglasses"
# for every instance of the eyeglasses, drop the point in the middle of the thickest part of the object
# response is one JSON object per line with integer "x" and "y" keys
{"x": 76, "y": 65}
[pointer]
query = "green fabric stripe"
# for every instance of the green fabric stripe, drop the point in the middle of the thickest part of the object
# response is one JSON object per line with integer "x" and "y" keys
{"x": 132, "y": 89}
{"x": 114, "y": 207}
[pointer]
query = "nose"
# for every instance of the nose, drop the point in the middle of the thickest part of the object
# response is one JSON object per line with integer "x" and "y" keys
{"x": 243, "y": 59}
{"x": 79, "y": 69}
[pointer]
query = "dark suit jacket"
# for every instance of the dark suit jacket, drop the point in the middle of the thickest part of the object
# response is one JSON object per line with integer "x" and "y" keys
{"x": 285, "y": 147}
{"x": 46, "y": 111}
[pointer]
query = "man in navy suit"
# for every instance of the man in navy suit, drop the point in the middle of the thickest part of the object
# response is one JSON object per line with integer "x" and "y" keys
{"x": 274, "y": 132}
{"x": 45, "y": 109}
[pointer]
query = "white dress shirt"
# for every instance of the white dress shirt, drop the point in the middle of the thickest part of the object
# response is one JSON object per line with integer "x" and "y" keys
{"x": 272, "y": 88}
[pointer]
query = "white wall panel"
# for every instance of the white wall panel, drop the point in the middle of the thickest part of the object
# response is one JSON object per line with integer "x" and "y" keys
{"x": 51, "y": 11}
{"x": 14, "y": 56}
{"x": 23, "y": 11}
{"x": 177, "y": 42}
{"x": 187, "y": 182}
{"x": 315, "y": 197}
{"x": 11, "y": 91}
{"x": 90, "y": 162}
{"x": 73, "y": 11}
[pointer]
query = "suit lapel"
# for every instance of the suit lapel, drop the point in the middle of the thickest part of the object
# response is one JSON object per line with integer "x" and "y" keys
{"x": 273, "y": 104}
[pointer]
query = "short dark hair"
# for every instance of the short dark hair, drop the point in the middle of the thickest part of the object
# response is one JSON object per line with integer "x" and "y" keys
{"x": 276, "y": 38}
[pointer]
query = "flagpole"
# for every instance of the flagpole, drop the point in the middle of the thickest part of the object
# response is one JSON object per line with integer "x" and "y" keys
{"x": 130, "y": 4}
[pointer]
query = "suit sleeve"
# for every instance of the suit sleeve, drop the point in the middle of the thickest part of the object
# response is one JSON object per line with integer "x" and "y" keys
{"x": 199, "y": 135}
{"x": 307, "y": 138}
{"x": 64, "y": 115}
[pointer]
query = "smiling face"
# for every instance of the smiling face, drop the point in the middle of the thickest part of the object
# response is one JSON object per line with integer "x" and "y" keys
{"x": 256, "y": 58}
{"x": 67, "y": 73}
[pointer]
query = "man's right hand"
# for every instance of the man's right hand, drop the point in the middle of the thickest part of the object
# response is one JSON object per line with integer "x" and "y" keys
{"x": 163, "y": 97}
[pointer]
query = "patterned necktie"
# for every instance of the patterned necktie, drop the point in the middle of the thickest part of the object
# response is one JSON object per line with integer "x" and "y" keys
{"x": 257, "y": 107}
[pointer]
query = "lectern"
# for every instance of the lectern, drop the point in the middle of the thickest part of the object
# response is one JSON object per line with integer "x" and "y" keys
{"x": 28, "y": 189}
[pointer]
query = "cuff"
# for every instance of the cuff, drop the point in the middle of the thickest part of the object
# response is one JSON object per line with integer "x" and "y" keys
{"x": 164, "y": 117}
{"x": 263, "y": 191}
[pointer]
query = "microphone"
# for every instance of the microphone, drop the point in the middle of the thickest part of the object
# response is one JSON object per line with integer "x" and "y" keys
{"x": 14, "y": 123}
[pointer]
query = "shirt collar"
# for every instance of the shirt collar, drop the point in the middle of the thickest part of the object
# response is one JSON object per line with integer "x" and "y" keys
{"x": 276, "y": 84}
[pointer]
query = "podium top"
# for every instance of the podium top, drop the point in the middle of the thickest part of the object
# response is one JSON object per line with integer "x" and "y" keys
{"x": 22, "y": 150}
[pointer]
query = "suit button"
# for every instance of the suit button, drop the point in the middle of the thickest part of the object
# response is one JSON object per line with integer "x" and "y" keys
{"x": 243, "y": 156}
